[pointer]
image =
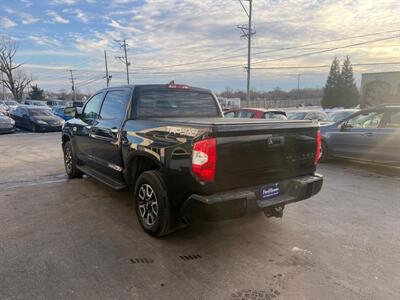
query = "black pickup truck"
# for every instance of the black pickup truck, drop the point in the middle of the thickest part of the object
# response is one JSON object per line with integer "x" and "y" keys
{"x": 172, "y": 147}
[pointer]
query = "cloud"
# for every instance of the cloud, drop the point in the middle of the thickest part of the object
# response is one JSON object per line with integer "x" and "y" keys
{"x": 63, "y": 2}
{"x": 161, "y": 33}
{"x": 118, "y": 26}
{"x": 81, "y": 16}
{"x": 7, "y": 23}
{"x": 122, "y": 1}
{"x": 28, "y": 19}
{"x": 56, "y": 18}
{"x": 42, "y": 40}
{"x": 27, "y": 3}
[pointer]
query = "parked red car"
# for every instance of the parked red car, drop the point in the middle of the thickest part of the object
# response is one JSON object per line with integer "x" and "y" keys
{"x": 256, "y": 113}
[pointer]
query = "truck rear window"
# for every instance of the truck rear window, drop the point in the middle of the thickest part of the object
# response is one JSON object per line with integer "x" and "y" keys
{"x": 172, "y": 103}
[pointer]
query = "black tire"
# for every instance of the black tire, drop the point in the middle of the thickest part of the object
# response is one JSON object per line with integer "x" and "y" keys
{"x": 70, "y": 162}
{"x": 324, "y": 153}
{"x": 33, "y": 128}
{"x": 153, "y": 208}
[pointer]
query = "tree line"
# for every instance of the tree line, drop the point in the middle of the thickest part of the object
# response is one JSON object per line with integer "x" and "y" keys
{"x": 340, "y": 89}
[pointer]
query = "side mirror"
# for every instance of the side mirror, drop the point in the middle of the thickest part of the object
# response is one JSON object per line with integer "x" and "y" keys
{"x": 25, "y": 116}
{"x": 70, "y": 112}
{"x": 344, "y": 126}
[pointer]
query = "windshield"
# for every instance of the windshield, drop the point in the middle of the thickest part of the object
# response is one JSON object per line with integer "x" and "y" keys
{"x": 296, "y": 115}
{"x": 38, "y": 103}
{"x": 173, "y": 103}
{"x": 40, "y": 112}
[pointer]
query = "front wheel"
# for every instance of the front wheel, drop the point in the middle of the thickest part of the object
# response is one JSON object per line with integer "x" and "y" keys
{"x": 152, "y": 205}
{"x": 70, "y": 162}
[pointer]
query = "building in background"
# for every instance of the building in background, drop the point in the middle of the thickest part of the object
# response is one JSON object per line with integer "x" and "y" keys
{"x": 380, "y": 88}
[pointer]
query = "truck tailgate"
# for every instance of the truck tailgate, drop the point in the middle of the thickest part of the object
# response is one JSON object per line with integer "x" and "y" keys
{"x": 258, "y": 153}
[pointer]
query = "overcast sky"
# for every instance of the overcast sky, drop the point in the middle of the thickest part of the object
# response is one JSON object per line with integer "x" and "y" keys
{"x": 197, "y": 41}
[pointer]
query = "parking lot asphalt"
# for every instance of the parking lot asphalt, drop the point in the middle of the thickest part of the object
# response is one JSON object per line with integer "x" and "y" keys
{"x": 77, "y": 239}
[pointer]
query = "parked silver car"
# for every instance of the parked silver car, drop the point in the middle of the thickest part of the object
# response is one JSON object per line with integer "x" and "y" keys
{"x": 371, "y": 135}
{"x": 7, "y": 125}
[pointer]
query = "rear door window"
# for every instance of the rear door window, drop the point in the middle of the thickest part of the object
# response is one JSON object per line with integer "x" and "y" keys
{"x": 114, "y": 105}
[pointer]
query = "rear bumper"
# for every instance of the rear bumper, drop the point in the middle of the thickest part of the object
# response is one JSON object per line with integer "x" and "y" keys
{"x": 236, "y": 203}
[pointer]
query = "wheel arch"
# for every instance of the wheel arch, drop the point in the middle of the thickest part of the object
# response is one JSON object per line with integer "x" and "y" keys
{"x": 137, "y": 163}
{"x": 65, "y": 138}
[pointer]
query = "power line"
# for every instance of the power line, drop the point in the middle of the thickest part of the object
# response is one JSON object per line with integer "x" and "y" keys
{"x": 329, "y": 50}
{"x": 277, "y": 59}
{"x": 325, "y": 66}
{"x": 89, "y": 82}
{"x": 212, "y": 59}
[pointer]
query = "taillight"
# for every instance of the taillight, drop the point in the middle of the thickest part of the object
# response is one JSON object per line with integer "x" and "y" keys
{"x": 204, "y": 159}
{"x": 318, "y": 150}
{"x": 178, "y": 86}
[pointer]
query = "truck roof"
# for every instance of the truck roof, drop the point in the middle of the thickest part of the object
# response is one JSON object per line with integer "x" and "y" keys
{"x": 174, "y": 86}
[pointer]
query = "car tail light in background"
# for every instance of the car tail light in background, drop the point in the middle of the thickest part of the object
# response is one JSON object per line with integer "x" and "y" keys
{"x": 318, "y": 150}
{"x": 204, "y": 159}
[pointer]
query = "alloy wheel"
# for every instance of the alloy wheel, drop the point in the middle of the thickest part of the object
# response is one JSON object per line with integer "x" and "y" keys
{"x": 68, "y": 159}
{"x": 148, "y": 205}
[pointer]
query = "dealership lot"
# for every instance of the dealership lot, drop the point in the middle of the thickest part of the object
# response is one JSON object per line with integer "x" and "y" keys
{"x": 64, "y": 238}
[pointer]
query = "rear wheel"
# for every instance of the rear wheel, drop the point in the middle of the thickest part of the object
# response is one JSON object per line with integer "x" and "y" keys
{"x": 70, "y": 162}
{"x": 152, "y": 205}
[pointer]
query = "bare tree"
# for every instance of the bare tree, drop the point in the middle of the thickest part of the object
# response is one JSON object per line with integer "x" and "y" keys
{"x": 15, "y": 80}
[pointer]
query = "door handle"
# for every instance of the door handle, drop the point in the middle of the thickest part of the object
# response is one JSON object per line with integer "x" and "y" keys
{"x": 368, "y": 134}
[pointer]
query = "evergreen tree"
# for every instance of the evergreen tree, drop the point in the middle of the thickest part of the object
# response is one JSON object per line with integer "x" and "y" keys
{"x": 331, "y": 92}
{"x": 36, "y": 93}
{"x": 349, "y": 92}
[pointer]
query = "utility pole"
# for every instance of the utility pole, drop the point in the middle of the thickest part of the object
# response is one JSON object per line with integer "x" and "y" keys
{"x": 108, "y": 77}
{"x": 298, "y": 86}
{"x": 73, "y": 85}
{"x": 124, "y": 59}
{"x": 3, "y": 89}
{"x": 247, "y": 33}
